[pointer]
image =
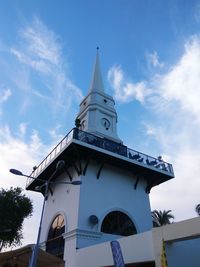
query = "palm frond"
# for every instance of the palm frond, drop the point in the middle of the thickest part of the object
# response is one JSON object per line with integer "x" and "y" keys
{"x": 161, "y": 217}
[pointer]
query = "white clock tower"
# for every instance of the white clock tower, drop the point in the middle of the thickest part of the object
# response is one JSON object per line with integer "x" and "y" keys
{"x": 113, "y": 198}
{"x": 97, "y": 113}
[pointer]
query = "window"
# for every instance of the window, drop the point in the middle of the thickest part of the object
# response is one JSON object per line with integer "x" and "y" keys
{"x": 118, "y": 223}
{"x": 55, "y": 240}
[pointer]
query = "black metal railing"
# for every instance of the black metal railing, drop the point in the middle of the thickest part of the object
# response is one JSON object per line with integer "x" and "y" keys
{"x": 100, "y": 142}
{"x": 122, "y": 150}
{"x": 106, "y": 144}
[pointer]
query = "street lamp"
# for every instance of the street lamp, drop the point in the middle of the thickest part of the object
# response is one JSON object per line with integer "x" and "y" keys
{"x": 59, "y": 165}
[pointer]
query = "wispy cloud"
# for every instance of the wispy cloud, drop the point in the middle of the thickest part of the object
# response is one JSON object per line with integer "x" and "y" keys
{"x": 42, "y": 42}
{"x": 4, "y": 95}
{"x": 38, "y": 65}
{"x": 173, "y": 99}
{"x": 197, "y": 12}
{"x": 55, "y": 133}
{"x": 153, "y": 60}
{"x": 40, "y": 51}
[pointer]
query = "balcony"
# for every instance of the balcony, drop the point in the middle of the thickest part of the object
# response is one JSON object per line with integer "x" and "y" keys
{"x": 156, "y": 164}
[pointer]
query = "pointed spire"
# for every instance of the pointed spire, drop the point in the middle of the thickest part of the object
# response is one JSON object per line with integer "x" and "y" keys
{"x": 97, "y": 82}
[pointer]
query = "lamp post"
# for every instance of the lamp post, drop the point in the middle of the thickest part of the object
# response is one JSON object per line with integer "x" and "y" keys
{"x": 46, "y": 184}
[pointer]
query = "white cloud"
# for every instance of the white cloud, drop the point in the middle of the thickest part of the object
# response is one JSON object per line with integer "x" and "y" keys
{"x": 22, "y": 130}
{"x": 181, "y": 83}
{"x": 55, "y": 135}
{"x": 124, "y": 89}
{"x": 38, "y": 65}
{"x": 42, "y": 42}
{"x": 16, "y": 153}
{"x": 39, "y": 50}
{"x": 173, "y": 100}
{"x": 40, "y": 46}
{"x": 4, "y": 95}
{"x": 181, "y": 148}
{"x": 153, "y": 60}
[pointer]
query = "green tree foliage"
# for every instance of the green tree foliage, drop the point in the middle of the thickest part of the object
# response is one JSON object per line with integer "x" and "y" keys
{"x": 14, "y": 208}
{"x": 197, "y": 209}
{"x": 161, "y": 217}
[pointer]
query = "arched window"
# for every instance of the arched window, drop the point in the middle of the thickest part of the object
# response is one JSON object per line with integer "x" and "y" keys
{"x": 55, "y": 240}
{"x": 118, "y": 223}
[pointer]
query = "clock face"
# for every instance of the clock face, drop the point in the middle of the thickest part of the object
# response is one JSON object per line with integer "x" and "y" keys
{"x": 105, "y": 123}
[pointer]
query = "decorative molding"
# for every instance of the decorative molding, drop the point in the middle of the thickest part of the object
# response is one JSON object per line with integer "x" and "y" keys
{"x": 82, "y": 234}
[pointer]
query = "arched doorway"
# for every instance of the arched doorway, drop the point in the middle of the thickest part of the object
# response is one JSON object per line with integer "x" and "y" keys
{"x": 55, "y": 241}
{"x": 118, "y": 223}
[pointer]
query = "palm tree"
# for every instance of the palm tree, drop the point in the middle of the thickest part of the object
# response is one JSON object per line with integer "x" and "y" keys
{"x": 161, "y": 217}
{"x": 197, "y": 209}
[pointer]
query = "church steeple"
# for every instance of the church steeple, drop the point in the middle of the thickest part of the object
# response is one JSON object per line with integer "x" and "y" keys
{"x": 97, "y": 113}
{"x": 97, "y": 82}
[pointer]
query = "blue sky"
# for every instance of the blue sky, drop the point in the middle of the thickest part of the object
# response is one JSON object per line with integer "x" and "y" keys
{"x": 150, "y": 59}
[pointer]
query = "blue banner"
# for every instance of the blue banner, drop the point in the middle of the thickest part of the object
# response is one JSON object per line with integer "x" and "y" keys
{"x": 117, "y": 254}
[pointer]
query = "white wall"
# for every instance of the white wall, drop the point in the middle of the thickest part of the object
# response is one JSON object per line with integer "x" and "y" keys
{"x": 137, "y": 248}
{"x": 65, "y": 200}
{"x": 173, "y": 234}
{"x": 114, "y": 190}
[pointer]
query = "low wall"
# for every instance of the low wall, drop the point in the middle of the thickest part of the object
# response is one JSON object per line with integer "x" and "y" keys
{"x": 136, "y": 248}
